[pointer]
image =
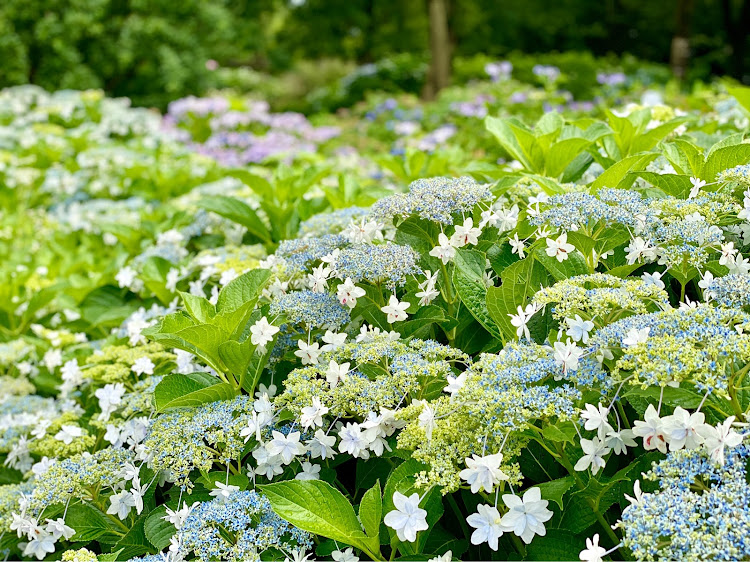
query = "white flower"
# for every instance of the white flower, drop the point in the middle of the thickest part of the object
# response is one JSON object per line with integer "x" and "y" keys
{"x": 636, "y": 336}
{"x": 68, "y": 432}
{"x": 507, "y": 219}
{"x": 596, "y": 419}
{"x": 57, "y": 528}
{"x": 697, "y": 184}
{"x": 444, "y": 251}
{"x": 143, "y": 365}
{"x": 408, "y": 518}
{"x": 345, "y": 555}
{"x": 353, "y": 441}
{"x": 487, "y": 522}
{"x": 427, "y": 419}
{"x": 121, "y": 503}
{"x": 308, "y": 353}
{"x": 593, "y": 552}
{"x": 52, "y": 358}
{"x": 41, "y": 467}
{"x": 110, "y": 396}
{"x": 261, "y": 333}
{"x": 318, "y": 279}
{"x": 579, "y": 329}
{"x": 336, "y": 373}
{"x": 638, "y": 249}
{"x": 365, "y": 231}
{"x": 348, "y": 293}
{"x": 526, "y": 517}
{"x": 286, "y": 446}
{"x": 653, "y": 279}
{"x": 228, "y": 276}
{"x": 521, "y": 320}
{"x": 23, "y": 524}
{"x": 719, "y": 437}
{"x": 559, "y": 248}
{"x": 465, "y": 234}
{"x": 651, "y": 430}
{"x": 395, "y": 309}
{"x": 310, "y": 471}
{"x": 637, "y": 494}
{"x": 567, "y": 355}
{"x": 455, "y": 383}
{"x": 594, "y": 453}
{"x": 173, "y": 276}
{"x": 313, "y": 415}
{"x": 333, "y": 340}
{"x": 321, "y": 445}
{"x": 681, "y": 429}
{"x": 483, "y": 472}
{"x": 178, "y": 517}
{"x": 728, "y": 253}
{"x": 41, "y": 544}
{"x": 223, "y": 491}
{"x": 620, "y": 440}
{"x": 138, "y": 491}
{"x": 127, "y": 277}
{"x": 516, "y": 246}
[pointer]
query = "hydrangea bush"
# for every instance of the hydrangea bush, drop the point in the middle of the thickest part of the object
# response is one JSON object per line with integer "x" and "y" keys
{"x": 532, "y": 345}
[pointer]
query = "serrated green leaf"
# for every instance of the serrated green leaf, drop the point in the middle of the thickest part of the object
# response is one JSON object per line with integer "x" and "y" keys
{"x": 617, "y": 174}
{"x": 90, "y": 523}
{"x": 468, "y": 280}
{"x": 198, "y": 307}
{"x": 158, "y": 531}
{"x": 723, "y": 159}
{"x": 244, "y": 288}
{"x": 574, "y": 265}
{"x": 554, "y": 490}
{"x": 177, "y": 391}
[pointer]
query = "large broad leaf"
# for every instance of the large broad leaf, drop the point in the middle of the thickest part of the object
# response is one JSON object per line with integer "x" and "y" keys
{"x": 194, "y": 389}
{"x": 574, "y": 265}
{"x": 741, "y": 94}
{"x": 158, "y": 531}
{"x": 617, "y": 174}
{"x": 198, "y": 307}
{"x": 371, "y": 511}
{"x": 244, "y": 288}
{"x": 557, "y": 544}
{"x": 554, "y": 490}
{"x": 90, "y": 524}
{"x": 202, "y": 340}
{"x": 502, "y": 131}
{"x": 723, "y": 159}
{"x": 134, "y": 543}
{"x": 519, "y": 283}
{"x": 319, "y": 508}
{"x": 468, "y": 279}
{"x": 239, "y": 212}
{"x": 677, "y": 185}
{"x": 563, "y": 153}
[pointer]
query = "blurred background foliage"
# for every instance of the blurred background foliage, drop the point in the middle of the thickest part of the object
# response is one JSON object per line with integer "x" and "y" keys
{"x": 313, "y": 55}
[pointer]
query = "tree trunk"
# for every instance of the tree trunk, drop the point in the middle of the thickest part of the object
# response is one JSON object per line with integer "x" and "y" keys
{"x": 440, "y": 57}
{"x": 680, "y": 51}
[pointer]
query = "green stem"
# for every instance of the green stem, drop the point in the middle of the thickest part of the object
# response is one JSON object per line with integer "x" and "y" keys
{"x": 459, "y": 515}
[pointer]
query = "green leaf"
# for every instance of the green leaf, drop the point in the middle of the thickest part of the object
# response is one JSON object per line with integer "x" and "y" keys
{"x": 676, "y": 185}
{"x": 617, "y": 174}
{"x": 469, "y": 283}
{"x": 158, "y": 531}
{"x": 134, "y": 543}
{"x": 741, "y": 94}
{"x": 319, "y": 508}
{"x": 109, "y": 557}
{"x": 239, "y": 212}
{"x": 198, "y": 307}
{"x": 502, "y": 131}
{"x": 557, "y": 544}
{"x": 723, "y": 159}
{"x": 90, "y": 523}
{"x": 371, "y": 511}
{"x": 237, "y": 356}
{"x": 194, "y": 389}
{"x": 574, "y": 265}
{"x": 563, "y": 153}
{"x": 554, "y": 490}
{"x": 519, "y": 283}
{"x": 244, "y": 288}
{"x": 563, "y": 432}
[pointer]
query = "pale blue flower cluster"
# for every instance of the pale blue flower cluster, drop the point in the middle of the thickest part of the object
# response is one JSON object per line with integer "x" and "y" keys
{"x": 312, "y": 310}
{"x": 733, "y": 290}
{"x": 700, "y": 512}
{"x": 300, "y": 253}
{"x": 331, "y": 223}
{"x": 239, "y": 528}
{"x": 436, "y": 199}
{"x": 739, "y": 174}
{"x": 389, "y": 263}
